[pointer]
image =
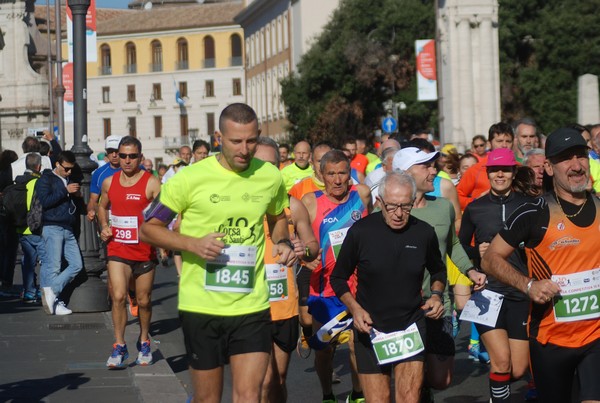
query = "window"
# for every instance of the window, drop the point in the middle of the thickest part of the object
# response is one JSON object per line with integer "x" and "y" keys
{"x": 183, "y": 125}
{"x": 183, "y": 92}
{"x": 236, "y": 50}
{"x": 237, "y": 86}
{"x": 131, "y": 58}
{"x": 182, "y": 54}
{"x": 210, "y": 123}
{"x": 105, "y": 60}
{"x": 131, "y": 125}
{"x": 209, "y": 88}
{"x": 209, "y": 52}
{"x": 158, "y": 161}
{"x": 131, "y": 93}
{"x": 157, "y": 59}
{"x": 106, "y": 127}
{"x": 105, "y": 95}
{"x": 158, "y": 126}
{"x": 156, "y": 91}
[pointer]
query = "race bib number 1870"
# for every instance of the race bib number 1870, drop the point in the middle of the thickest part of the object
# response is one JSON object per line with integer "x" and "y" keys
{"x": 233, "y": 270}
{"x": 396, "y": 346}
{"x": 579, "y": 297}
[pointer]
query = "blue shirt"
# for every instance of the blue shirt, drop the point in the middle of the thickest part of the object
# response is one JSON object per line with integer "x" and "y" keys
{"x": 98, "y": 176}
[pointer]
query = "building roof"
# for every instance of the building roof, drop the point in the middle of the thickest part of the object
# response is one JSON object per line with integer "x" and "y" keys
{"x": 170, "y": 18}
{"x": 102, "y": 14}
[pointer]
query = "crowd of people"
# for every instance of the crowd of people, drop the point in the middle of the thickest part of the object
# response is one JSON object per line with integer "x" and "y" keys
{"x": 378, "y": 244}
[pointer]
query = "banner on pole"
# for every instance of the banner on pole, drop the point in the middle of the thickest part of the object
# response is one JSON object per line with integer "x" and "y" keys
{"x": 426, "y": 70}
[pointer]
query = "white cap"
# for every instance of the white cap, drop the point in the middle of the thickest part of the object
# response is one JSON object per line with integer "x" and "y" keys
{"x": 407, "y": 157}
{"x": 112, "y": 142}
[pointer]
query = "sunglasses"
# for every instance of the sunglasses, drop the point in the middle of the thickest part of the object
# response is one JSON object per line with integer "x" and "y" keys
{"x": 67, "y": 169}
{"x": 111, "y": 151}
{"x": 478, "y": 145}
{"x": 131, "y": 156}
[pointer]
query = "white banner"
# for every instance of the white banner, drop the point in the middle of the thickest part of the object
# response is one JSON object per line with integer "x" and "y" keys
{"x": 426, "y": 70}
{"x": 90, "y": 33}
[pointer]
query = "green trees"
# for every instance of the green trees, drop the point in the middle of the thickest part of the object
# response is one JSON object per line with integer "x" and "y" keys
{"x": 365, "y": 56}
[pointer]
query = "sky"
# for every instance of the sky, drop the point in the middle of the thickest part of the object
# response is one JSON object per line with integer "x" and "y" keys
{"x": 99, "y": 3}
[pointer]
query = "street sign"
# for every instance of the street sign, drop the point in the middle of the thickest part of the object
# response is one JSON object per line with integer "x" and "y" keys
{"x": 389, "y": 125}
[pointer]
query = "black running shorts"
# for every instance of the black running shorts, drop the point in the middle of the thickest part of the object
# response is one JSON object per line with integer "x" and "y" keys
{"x": 554, "y": 369}
{"x": 513, "y": 318}
{"x": 138, "y": 268}
{"x": 285, "y": 333}
{"x": 439, "y": 337}
{"x": 211, "y": 340}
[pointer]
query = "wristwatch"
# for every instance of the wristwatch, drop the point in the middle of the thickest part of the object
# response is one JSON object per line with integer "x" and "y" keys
{"x": 439, "y": 294}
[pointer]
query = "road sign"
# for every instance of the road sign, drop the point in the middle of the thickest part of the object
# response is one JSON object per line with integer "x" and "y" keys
{"x": 389, "y": 125}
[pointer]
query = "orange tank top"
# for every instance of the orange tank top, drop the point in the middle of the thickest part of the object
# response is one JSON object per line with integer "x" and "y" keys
{"x": 565, "y": 249}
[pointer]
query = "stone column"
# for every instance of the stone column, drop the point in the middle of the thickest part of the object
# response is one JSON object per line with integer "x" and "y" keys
{"x": 588, "y": 107}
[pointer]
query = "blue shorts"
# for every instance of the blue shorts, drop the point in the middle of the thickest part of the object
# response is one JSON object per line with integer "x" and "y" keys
{"x": 323, "y": 309}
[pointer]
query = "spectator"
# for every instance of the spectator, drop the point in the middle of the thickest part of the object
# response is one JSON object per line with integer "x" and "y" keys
{"x": 30, "y": 145}
{"x": 8, "y": 240}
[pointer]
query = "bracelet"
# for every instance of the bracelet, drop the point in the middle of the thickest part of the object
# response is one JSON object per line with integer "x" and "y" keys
{"x": 529, "y": 285}
{"x": 287, "y": 242}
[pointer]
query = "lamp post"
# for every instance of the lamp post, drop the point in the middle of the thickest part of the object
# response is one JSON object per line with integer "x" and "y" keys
{"x": 89, "y": 293}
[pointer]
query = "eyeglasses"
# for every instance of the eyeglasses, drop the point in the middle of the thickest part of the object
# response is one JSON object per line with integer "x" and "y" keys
{"x": 131, "y": 156}
{"x": 479, "y": 145}
{"x": 392, "y": 208}
{"x": 67, "y": 169}
{"x": 111, "y": 151}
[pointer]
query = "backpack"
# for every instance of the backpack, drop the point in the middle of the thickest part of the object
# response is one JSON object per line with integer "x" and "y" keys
{"x": 14, "y": 203}
{"x": 34, "y": 215}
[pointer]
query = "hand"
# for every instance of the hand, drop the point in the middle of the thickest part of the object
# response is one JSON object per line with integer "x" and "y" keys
{"x": 48, "y": 135}
{"x": 106, "y": 233}
{"x": 73, "y": 187}
{"x": 299, "y": 246}
{"x": 483, "y": 247}
{"x": 478, "y": 279}
{"x": 315, "y": 263}
{"x": 286, "y": 254}
{"x": 434, "y": 307}
{"x": 543, "y": 291}
{"x": 362, "y": 320}
{"x": 91, "y": 215}
{"x": 208, "y": 247}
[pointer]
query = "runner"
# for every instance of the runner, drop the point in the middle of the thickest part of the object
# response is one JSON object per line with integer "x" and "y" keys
{"x": 560, "y": 234}
{"x": 124, "y": 197}
{"x": 283, "y": 293}
{"x": 332, "y": 212}
{"x": 222, "y": 295}
{"x": 505, "y": 340}
{"x": 388, "y": 311}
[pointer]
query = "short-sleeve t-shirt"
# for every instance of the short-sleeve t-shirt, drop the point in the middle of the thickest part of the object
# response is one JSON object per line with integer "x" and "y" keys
{"x": 98, "y": 176}
{"x": 215, "y": 199}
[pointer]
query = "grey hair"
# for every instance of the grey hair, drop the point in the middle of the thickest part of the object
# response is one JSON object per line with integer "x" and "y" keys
{"x": 388, "y": 152}
{"x": 334, "y": 157}
{"x": 532, "y": 152}
{"x": 399, "y": 178}
{"x": 269, "y": 142}
{"x": 33, "y": 161}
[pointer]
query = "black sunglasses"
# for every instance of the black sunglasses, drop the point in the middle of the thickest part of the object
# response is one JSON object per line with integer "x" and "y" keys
{"x": 131, "y": 156}
{"x": 67, "y": 169}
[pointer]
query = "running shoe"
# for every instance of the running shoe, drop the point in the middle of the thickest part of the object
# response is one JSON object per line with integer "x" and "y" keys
{"x": 118, "y": 356}
{"x": 145, "y": 353}
{"x": 476, "y": 353}
{"x": 302, "y": 348}
{"x": 29, "y": 298}
{"x": 357, "y": 400}
{"x": 133, "y": 306}
{"x": 531, "y": 395}
{"x": 61, "y": 309}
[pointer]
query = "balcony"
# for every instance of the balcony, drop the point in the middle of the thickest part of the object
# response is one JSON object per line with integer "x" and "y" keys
{"x": 172, "y": 144}
{"x": 182, "y": 65}
{"x": 154, "y": 67}
{"x": 209, "y": 63}
{"x": 105, "y": 70}
{"x": 130, "y": 68}
{"x": 235, "y": 61}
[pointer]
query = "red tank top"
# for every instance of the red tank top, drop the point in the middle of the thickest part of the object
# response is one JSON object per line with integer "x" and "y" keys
{"x": 126, "y": 216}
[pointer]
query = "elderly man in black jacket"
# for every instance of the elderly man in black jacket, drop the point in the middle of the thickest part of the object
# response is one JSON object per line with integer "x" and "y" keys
{"x": 56, "y": 194}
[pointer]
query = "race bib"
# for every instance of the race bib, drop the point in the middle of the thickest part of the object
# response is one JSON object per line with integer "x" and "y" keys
{"x": 337, "y": 238}
{"x": 483, "y": 307}
{"x": 277, "y": 281}
{"x": 124, "y": 229}
{"x": 233, "y": 270}
{"x": 396, "y": 346}
{"x": 579, "y": 298}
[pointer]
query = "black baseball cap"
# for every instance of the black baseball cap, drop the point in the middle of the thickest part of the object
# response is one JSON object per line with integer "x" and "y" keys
{"x": 562, "y": 139}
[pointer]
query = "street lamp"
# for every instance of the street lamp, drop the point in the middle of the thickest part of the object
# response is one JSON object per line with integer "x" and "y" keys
{"x": 90, "y": 293}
